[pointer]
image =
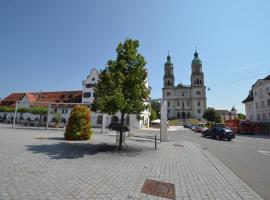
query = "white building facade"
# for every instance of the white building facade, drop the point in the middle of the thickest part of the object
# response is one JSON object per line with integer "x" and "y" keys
{"x": 88, "y": 95}
{"x": 257, "y": 103}
{"x": 185, "y": 101}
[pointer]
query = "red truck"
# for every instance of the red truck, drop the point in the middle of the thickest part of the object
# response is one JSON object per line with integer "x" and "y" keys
{"x": 242, "y": 126}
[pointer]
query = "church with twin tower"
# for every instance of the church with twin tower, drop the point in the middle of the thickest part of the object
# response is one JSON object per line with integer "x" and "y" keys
{"x": 185, "y": 101}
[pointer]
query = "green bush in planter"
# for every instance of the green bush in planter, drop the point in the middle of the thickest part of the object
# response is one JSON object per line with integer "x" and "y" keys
{"x": 79, "y": 125}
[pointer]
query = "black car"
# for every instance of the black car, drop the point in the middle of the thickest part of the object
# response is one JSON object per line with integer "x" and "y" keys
{"x": 219, "y": 133}
{"x": 117, "y": 127}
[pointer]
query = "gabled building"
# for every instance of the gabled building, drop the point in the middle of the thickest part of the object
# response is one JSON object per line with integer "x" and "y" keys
{"x": 59, "y": 104}
{"x": 257, "y": 103}
{"x": 228, "y": 115}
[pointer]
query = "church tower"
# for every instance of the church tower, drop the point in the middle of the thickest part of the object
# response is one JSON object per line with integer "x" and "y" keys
{"x": 168, "y": 78}
{"x": 198, "y": 90}
{"x": 197, "y": 77}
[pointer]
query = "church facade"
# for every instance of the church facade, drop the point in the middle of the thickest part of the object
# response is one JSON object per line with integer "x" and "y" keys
{"x": 185, "y": 101}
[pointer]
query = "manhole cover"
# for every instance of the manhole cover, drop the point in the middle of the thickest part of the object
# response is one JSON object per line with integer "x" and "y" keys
{"x": 158, "y": 188}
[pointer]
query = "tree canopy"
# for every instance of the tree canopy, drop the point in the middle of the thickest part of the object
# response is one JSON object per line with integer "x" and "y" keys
{"x": 122, "y": 84}
{"x": 212, "y": 115}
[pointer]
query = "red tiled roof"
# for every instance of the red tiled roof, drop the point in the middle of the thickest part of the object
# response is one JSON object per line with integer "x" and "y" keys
{"x": 51, "y": 97}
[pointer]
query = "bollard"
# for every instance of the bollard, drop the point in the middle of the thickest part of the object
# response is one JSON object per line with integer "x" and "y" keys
{"x": 155, "y": 142}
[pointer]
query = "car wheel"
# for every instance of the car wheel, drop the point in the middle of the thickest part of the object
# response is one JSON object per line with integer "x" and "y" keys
{"x": 217, "y": 137}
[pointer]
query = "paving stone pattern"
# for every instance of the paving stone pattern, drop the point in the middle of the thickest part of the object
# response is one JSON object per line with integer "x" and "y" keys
{"x": 38, "y": 164}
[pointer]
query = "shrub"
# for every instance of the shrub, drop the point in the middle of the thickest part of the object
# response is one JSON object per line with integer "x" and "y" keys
{"x": 79, "y": 126}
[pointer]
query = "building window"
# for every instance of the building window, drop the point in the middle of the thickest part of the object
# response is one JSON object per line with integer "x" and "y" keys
{"x": 183, "y": 104}
{"x": 258, "y": 117}
{"x": 269, "y": 115}
{"x": 198, "y": 92}
{"x": 55, "y": 110}
{"x": 194, "y": 82}
{"x": 99, "y": 119}
{"x": 199, "y": 103}
{"x": 93, "y": 79}
{"x": 200, "y": 81}
{"x": 262, "y": 104}
{"x": 199, "y": 110}
{"x": 187, "y": 103}
{"x": 256, "y": 104}
{"x": 168, "y": 103}
{"x": 89, "y": 85}
{"x": 263, "y": 116}
{"x": 267, "y": 89}
{"x": 64, "y": 111}
{"x": 87, "y": 94}
{"x": 63, "y": 120}
{"x": 168, "y": 83}
{"x": 183, "y": 94}
{"x": 178, "y": 103}
{"x": 168, "y": 94}
{"x": 268, "y": 102}
{"x": 169, "y": 111}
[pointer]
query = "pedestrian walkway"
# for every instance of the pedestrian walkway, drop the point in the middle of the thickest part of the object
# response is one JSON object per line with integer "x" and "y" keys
{"x": 37, "y": 164}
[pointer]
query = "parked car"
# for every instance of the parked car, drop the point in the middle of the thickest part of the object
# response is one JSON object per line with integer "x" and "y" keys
{"x": 117, "y": 127}
{"x": 200, "y": 129}
{"x": 193, "y": 127}
{"x": 186, "y": 126}
{"x": 219, "y": 133}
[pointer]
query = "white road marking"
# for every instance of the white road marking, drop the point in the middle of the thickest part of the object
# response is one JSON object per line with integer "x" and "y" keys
{"x": 265, "y": 152}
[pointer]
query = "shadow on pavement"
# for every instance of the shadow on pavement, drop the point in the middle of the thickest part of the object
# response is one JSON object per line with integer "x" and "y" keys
{"x": 65, "y": 150}
{"x": 255, "y": 136}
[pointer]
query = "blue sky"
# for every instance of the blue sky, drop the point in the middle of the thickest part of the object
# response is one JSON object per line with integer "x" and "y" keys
{"x": 52, "y": 45}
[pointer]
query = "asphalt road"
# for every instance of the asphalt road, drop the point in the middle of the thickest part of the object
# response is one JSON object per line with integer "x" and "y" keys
{"x": 246, "y": 156}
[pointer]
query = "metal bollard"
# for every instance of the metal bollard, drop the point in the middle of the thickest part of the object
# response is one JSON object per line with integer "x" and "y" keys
{"x": 155, "y": 142}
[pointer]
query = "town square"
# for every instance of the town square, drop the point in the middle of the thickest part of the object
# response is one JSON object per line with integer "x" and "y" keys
{"x": 134, "y": 100}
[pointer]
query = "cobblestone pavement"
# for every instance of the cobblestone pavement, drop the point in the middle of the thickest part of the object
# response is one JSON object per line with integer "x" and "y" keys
{"x": 38, "y": 164}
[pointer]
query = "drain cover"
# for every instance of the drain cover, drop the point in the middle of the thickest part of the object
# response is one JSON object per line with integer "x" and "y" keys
{"x": 158, "y": 188}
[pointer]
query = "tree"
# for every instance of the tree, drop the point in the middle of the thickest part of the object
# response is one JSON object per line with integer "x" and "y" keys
{"x": 212, "y": 115}
{"x": 21, "y": 111}
{"x": 38, "y": 111}
{"x": 5, "y": 110}
{"x": 122, "y": 84}
{"x": 57, "y": 119}
{"x": 241, "y": 116}
{"x": 155, "y": 105}
{"x": 153, "y": 115}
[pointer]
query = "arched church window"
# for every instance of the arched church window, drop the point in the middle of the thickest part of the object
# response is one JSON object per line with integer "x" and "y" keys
{"x": 197, "y": 81}
{"x": 200, "y": 81}
{"x": 169, "y": 83}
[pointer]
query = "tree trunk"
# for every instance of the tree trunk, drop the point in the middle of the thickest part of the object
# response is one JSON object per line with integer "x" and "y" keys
{"x": 121, "y": 132}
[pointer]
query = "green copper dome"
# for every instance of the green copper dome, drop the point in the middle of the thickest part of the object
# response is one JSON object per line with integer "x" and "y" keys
{"x": 196, "y": 60}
